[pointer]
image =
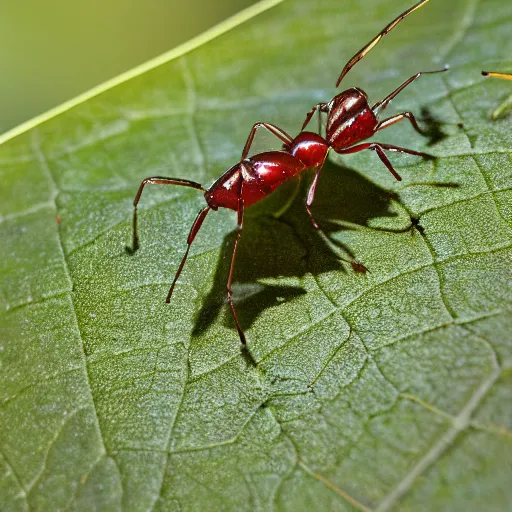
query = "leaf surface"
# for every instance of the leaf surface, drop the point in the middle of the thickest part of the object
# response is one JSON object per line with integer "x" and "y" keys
{"x": 384, "y": 390}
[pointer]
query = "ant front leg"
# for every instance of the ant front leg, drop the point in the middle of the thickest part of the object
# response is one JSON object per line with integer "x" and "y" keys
{"x": 156, "y": 180}
{"x": 383, "y": 103}
{"x": 274, "y": 130}
{"x": 319, "y": 107}
{"x": 379, "y": 149}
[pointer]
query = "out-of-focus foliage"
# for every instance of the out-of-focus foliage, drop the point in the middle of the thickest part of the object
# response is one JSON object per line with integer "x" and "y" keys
{"x": 56, "y": 49}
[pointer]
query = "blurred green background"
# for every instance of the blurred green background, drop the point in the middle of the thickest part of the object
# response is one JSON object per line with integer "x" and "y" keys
{"x": 52, "y": 50}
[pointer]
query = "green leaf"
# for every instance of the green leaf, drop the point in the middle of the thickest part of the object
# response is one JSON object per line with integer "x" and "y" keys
{"x": 382, "y": 390}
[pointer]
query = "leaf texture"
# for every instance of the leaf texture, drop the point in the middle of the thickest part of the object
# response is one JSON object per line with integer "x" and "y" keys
{"x": 384, "y": 390}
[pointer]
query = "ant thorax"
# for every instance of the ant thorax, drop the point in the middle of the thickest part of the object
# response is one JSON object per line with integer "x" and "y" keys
{"x": 310, "y": 148}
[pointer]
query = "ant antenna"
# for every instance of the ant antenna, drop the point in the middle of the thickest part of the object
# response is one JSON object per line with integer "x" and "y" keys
{"x": 367, "y": 49}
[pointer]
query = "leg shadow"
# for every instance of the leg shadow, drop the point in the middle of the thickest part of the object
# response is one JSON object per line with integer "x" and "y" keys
{"x": 434, "y": 128}
{"x": 289, "y": 246}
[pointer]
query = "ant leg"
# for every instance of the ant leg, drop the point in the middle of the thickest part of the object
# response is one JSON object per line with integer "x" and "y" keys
{"x": 156, "y": 180}
{"x": 311, "y": 193}
{"x": 385, "y": 161}
{"x": 399, "y": 117}
{"x": 366, "y": 49}
{"x": 320, "y": 112}
{"x": 193, "y": 232}
{"x": 280, "y": 134}
{"x": 311, "y": 197}
{"x": 240, "y": 212}
{"x": 382, "y": 104}
{"x": 319, "y": 107}
{"x": 379, "y": 148}
{"x": 399, "y": 149}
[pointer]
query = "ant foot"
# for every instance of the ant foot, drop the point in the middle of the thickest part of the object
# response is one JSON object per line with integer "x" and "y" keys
{"x": 358, "y": 267}
{"x": 248, "y": 356}
{"x": 132, "y": 250}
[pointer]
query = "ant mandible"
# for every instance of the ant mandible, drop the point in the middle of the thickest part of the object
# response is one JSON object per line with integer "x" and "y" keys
{"x": 350, "y": 120}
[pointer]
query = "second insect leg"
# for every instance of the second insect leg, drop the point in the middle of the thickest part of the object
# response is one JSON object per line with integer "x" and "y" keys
{"x": 240, "y": 220}
{"x": 379, "y": 148}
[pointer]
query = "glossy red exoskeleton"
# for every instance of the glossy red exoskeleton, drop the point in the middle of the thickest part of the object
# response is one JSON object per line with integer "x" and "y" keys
{"x": 350, "y": 121}
{"x": 244, "y": 184}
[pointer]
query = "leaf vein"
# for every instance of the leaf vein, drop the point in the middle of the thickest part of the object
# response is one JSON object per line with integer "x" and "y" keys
{"x": 36, "y": 147}
{"x": 23, "y": 492}
{"x": 32, "y": 485}
{"x": 356, "y": 504}
{"x": 460, "y": 423}
{"x": 36, "y": 383}
{"x": 172, "y": 424}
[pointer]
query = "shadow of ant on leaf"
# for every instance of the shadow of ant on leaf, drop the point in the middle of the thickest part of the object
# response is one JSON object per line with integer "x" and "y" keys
{"x": 289, "y": 247}
{"x": 434, "y": 128}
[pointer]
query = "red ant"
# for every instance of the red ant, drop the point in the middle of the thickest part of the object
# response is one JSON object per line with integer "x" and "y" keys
{"x": 350, "y": 120}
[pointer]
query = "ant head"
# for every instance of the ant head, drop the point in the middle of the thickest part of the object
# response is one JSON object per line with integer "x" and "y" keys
{"x": 310, "y": 148}
{"x": 350, "y": 119}
{"x": 348, "y": 102}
